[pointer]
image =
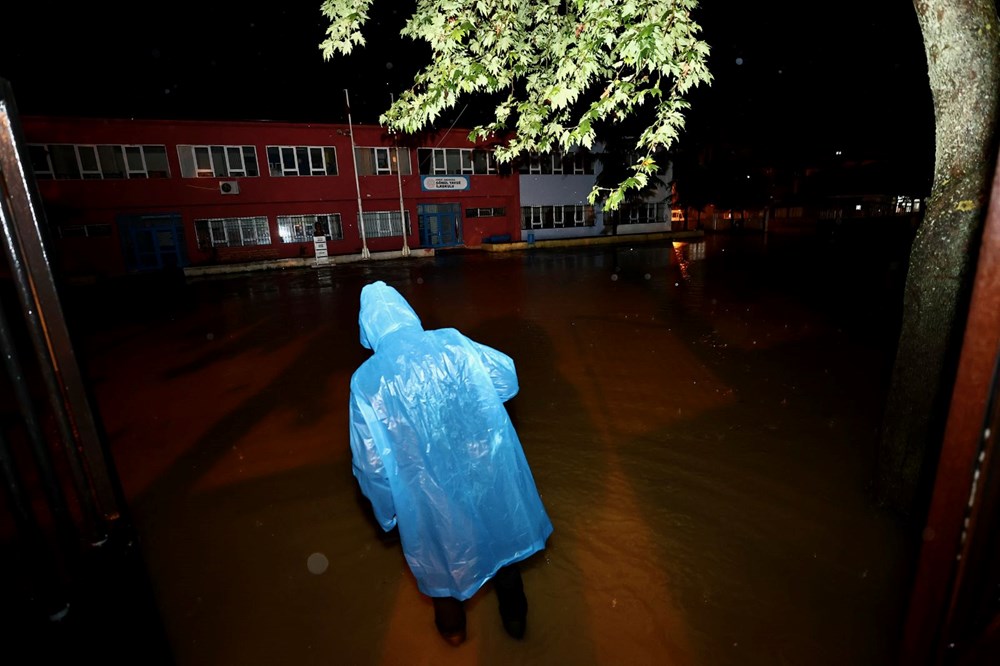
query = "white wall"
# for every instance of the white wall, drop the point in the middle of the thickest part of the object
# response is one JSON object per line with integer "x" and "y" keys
{"x": 563, "y": 189}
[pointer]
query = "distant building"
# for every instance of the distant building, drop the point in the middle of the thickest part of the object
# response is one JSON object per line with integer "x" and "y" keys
{"x": 127, "y": 196}
{"x": 554, "y": 188}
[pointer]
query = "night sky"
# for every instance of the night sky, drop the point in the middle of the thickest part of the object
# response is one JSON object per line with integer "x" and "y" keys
{"x": 790, "y": 76}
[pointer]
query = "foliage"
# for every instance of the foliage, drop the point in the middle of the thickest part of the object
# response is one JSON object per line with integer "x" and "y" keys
{"x": 559, "y": 67}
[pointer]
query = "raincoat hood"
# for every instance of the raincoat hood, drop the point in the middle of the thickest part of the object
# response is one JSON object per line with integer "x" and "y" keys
{"x": 383, "y": 311}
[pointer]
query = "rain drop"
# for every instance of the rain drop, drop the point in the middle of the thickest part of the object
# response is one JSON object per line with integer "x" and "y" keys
{"x": 317, "y": 563}
{"x": 614, "y": 277}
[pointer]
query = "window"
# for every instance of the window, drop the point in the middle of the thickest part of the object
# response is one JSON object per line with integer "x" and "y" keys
{"x": 485, "y": 212}
{"x": 382, "y": 161}
{"x": 385, "y": 223}
{"x": 40, "y": 164}
{"x": 644, "y": 213}
{"x": 557, "y": 163}
{"x": 583, "y": 163}
{"x": 217, "y": 161}
{"x": 557, "y": 217}
{"x": 95, "y": 162}
{"x": 146, "y": 161}
{"x": 87, "y": 156}
{"x": 302, "y": 160}
{"x": 441, "y": 161}
{"x": 112, "y": 161}
{"x": 302, "y": 228}
{"x": 232, "y": 232}
{"x": 64, "y": 161}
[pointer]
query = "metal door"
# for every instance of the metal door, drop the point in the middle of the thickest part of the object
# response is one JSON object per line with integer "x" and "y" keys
{"x": 440, "y": 224}
{"x": 152, "y": 242}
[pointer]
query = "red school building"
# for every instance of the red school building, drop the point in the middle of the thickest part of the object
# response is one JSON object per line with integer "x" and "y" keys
{"x": 127, "y": 196}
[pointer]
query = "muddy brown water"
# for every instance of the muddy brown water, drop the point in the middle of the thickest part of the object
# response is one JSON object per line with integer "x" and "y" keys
{"x": 700, "y": 420}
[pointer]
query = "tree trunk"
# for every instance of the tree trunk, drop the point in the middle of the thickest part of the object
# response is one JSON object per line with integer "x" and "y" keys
{"x": 963, "y": 62}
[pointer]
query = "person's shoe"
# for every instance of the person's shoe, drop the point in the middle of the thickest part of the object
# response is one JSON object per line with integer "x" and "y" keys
{"x": 449, "y": 618}
{"x": 513, "y": 603}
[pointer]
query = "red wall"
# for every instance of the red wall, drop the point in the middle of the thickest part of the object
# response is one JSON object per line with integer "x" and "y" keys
{"x": 76, "y": 202}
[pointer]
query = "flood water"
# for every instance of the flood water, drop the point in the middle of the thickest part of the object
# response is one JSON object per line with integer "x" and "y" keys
{"x": 700, "y": 419}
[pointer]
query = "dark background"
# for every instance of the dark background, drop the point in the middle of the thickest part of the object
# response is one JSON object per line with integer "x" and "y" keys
{"x": 793, "y": 80}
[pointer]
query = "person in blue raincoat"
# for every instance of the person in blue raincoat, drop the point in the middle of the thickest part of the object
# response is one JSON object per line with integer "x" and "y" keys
{"x": 435, "y": 452}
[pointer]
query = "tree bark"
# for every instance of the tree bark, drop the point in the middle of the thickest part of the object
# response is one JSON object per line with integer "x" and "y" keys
{"x": 963, "y": 62}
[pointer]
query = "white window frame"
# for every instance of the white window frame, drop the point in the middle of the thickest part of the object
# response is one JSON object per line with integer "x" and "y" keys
{"x": 390, "y": 155}
{"x": 557, "y": 164}
{"x": 465, "y": 159}
{"x": 557, "y": 217}
{"x": 323, "y": 169}
{"x": 88, "y": 174}
{"x": 443, "y": 168}
{"x": 379, "y": 169}
{"x": 188, "y": 155}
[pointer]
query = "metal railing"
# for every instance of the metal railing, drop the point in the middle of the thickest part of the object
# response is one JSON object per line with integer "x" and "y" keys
{"x": 77, "y": 585}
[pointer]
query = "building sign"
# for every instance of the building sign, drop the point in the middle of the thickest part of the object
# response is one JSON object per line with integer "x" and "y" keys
{"x": 450, "y": 183}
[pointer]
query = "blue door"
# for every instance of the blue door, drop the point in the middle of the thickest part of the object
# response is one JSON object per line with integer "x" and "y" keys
{"x": 152, "y": 242}
{"x": 440, "y": 224}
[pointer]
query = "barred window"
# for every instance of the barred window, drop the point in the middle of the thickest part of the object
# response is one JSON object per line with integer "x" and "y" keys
{"x": 232, "y": 232}
{"x": 382, "y": 161}
{"x": 302, "y": 228}
{"x": 302, "y": 160}
{"x": 443, "y": 161}
{"x": 557, "y": 217}
{"x": 499, "y": 211}
{"x": 384, "y": 224}
{"x": 217, "y": 161}
{"x": 95, "y": 162}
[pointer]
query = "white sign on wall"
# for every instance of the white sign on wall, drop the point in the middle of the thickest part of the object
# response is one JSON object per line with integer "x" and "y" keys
{"x": 450, "y": 183}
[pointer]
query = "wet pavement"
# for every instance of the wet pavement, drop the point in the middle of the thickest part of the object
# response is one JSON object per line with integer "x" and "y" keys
{"x": 700, "y": 418}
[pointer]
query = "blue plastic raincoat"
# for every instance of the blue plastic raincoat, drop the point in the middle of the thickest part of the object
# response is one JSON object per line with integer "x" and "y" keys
{"x": 435, "y": 451}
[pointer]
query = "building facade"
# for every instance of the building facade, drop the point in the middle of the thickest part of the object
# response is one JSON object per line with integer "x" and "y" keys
{"x": 127, "y": 196}
{"x": 555, "y": 187}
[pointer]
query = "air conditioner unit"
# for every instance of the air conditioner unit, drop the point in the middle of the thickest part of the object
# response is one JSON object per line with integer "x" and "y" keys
{"x": 229, "y": 187}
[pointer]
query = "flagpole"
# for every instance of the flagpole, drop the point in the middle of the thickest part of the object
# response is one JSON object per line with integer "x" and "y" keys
{"x": 365, "y": 254}
{"x": 399, "y": 181}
